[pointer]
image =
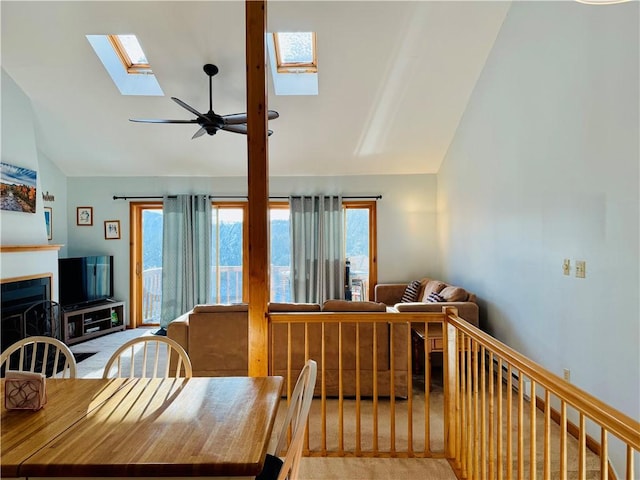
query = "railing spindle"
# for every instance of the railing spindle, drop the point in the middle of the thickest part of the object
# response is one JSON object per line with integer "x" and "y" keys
{"x": 499, "y": 421}
{"x": 509, "y": 422}
{"x": 604, "y": 455}
{"x": 547, "y": 435}
{"x": 358, "y": 432}
{"x": 582, "y": 447}
{"x": 492, "y": 419}
{"x": 375, "y": 387}
{"x": 520, "y": 426}
{"x": 533, "y": 434}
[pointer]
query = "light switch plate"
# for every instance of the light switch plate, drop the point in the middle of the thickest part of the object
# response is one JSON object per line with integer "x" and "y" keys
{"x": 566, "y": 267}
{"x": 581, "y": 268}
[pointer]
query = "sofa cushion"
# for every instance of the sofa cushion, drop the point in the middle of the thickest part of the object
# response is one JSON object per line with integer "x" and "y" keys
{"x": 435, "y": 298}
{"x": 411, "y": 292}
{"x": 293, "y": 307}
{"x": 454, "y": 294}
{"x": 349, "y": 306}
{"x": 221, "y": 308}
{"x": 432, "y": 286}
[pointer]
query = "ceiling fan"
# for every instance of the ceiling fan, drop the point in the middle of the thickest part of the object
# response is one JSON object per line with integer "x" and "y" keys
{"x": 211, "y": 122}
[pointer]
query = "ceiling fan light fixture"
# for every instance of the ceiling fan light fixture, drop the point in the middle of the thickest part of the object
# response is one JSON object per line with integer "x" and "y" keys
{"x": 211, "y": 122}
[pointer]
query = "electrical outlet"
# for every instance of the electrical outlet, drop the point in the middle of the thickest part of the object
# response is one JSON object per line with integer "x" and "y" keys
{"x": 581, "y": 269}
{"x": 566, "y": 267}
{"x": 567, "y": 374}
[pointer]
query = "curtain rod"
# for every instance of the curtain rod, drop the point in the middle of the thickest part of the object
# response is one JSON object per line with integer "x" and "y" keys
{"x": 351, "y": 197}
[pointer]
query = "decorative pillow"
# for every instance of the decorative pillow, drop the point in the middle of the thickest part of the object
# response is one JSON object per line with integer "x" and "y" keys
{"x": 454, "y": 294}
{"x": 435, "y": 298}
{"x": 411, "y": 292}
{"x": 432, "y": 286}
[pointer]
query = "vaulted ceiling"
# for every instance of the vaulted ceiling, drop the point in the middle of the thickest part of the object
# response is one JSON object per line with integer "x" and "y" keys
{"x": 394, "y": 80}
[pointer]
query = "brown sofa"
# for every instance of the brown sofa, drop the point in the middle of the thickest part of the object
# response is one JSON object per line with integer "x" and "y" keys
{"x": 216, "y": 339}
{"x": 391, "y": 294}
{"x": 349, "y": 354}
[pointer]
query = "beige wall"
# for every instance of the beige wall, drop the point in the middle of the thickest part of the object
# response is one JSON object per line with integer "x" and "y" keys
{"x": 406, "y": 214}
{"x": 545, "y": 166}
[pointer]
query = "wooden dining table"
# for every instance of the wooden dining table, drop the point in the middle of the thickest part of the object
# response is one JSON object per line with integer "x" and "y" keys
{"x": 204, "y": 426}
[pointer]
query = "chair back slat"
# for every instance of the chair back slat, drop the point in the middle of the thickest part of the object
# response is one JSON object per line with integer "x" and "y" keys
{"x": 296, "y": 420}
{"x": 33, "y": 354}
{"x": 151, "y": 362}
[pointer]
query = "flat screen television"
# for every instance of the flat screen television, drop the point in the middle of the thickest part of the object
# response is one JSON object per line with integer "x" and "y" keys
{"x": 85, "y": 280}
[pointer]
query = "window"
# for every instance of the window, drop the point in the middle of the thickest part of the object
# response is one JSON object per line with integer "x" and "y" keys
{"x": 360, "y": 248}
{"x": 359, "y": 245}
{"x": 125, "y": 64}
{"x": 296, "y": 52}
{"x": 280, "y": 255}
{"x": 227, "y": 252}
{"x": 128, "y": 49}
{"x": 293, "y": 62}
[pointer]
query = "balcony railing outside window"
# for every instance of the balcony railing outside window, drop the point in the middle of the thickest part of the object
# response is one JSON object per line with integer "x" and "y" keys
{"x": 226, "y": 287}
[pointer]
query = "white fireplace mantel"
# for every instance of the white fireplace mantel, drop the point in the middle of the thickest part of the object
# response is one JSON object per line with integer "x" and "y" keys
{"x": 18, "y": 261}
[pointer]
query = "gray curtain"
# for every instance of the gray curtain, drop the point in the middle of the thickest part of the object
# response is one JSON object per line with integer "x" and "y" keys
{"x": 317, "y": 259}
{"x": 186, "y": 255}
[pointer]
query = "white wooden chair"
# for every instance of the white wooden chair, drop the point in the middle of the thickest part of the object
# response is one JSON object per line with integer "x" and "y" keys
{"x": 46, "y": 355}
{"x": 153, "y": 354}
{"x": 296, "y": 418}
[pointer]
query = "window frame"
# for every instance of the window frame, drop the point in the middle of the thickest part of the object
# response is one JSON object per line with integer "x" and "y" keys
{"x": 244, "y": 206}
{"x": 129, "y": 65}
{"x": 371, "y": 205}
{"x": 135, "y": 216}
{"x": 296, "y": 67}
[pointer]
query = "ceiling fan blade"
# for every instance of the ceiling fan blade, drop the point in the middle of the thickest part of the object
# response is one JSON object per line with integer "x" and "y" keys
{"x": 241, "y": 128}
{"x": 190, "y": 108}
{"x": 156, "y": 120}
{"x": 235, "y": 118}
{"x": 201, "y": 131}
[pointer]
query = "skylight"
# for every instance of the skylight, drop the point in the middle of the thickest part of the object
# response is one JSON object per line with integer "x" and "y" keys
{"x": 294, "y": 62}
{"x": 128, "y": 49}
{"x": 136, "y": 78}
{"x": 296, "y": 52}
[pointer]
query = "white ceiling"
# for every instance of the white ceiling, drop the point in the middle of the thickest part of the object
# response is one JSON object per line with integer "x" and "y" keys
{"x": 394, "y": 81}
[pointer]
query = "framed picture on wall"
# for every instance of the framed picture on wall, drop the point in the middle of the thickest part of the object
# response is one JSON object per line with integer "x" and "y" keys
{"x": 48, "y": 221}
{"x": 112, "y": 229}
{"x": 84, "y": 216}
{"x": 18, "y": 187}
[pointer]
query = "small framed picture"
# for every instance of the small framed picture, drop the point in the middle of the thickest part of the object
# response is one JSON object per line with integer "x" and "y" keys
{"x": 48, "y": 221}
{"x": 112, "y": 229}
{"x": 84, "y": 216}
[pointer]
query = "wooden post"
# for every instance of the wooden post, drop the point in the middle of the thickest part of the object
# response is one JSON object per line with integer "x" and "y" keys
{"x": 258, "y": 185}
{"x": 450, "y": 357}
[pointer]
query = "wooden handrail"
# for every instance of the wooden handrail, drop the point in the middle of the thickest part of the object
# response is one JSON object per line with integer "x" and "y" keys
{"x": 616, "y": 422}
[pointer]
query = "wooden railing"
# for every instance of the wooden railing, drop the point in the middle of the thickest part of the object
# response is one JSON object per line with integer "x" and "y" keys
{"x": 502, "y": 410}
{"x": 363, "y": 407}
{"x": 479, "y": 416}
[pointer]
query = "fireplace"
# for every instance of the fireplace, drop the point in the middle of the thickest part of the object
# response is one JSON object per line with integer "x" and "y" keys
{"x": 26, "y": 309}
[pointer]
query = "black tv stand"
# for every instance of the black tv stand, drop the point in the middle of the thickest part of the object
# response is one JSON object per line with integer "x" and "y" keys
{"x": 90, "y": 321}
